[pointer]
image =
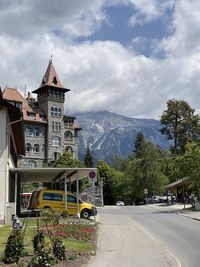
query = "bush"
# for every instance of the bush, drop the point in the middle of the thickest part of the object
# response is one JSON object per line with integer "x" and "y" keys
{"x": 37, "y": 241}
{"x": 43, "y": 258}
{"x": 65, "y": 214}
{"x": 14, "y": 247}
{"x": 50, "y": 216}
{"x": 58, "y": 249}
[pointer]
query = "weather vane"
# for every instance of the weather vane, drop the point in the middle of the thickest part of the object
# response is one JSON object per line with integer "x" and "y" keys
{"x": 50, "y": 61}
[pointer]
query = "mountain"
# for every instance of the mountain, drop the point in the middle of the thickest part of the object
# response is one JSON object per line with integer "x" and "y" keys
{"x": 109, "y": 134}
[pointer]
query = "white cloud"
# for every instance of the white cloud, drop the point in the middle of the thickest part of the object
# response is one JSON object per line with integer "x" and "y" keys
{"x": 102, "y": 75}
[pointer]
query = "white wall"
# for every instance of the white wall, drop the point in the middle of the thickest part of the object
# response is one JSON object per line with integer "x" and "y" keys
{"x": 4, "y": 168}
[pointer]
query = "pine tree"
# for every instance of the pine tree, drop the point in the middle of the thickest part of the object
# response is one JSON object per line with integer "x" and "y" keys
{"x": 138, "y": 144}
{"x": 88, "y": 161}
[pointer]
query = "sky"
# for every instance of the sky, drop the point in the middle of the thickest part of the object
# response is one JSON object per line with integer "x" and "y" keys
{"x": 125, "y": 56}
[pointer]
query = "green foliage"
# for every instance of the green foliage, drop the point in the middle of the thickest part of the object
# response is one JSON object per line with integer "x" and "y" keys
{"x": 14, "y": 247}
{"x": 37, "y": 240}
{"x": 50, "y": 216}
{"x": 43, "y": 258}
{"x": 67, "y": 160}
{"x": 58, "y": 249}
{"x": 138, "y": 144}
{"x": 145, "y": 172}
{"x": 88, "y": 160}
{"x": 180, "y": 124}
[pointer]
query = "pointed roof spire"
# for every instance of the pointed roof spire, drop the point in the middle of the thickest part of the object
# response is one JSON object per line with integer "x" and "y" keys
{"x": 50, "y": 78}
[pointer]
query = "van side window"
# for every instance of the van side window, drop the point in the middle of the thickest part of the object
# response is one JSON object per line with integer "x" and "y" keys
{"x": 52, "y": 196}
{"x": 71, "y": 198}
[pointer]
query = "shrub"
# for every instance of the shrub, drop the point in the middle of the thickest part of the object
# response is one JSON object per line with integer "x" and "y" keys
{"x": 50, "y": 216}
{"x": 37, "y": 241}
{"x": 14, "y": 247}
{"x": 43, "y": 258}
{"x": 58, "y": 249}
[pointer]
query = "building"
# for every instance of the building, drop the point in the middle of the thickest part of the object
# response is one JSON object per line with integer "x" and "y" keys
{"x": 48, "y": 131}
{"x": 11, "y": 145}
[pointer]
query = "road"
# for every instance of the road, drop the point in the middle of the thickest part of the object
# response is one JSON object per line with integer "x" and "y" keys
{"x": 179, "y": 234}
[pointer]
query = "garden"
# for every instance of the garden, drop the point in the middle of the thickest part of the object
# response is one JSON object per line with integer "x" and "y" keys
{"x": 49, "y": 240}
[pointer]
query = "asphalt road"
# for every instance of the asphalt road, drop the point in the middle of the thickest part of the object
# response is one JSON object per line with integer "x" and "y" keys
{"x": 179, "y": 234}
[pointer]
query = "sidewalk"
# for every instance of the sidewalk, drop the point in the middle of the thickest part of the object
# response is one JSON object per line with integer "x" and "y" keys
{"x": 123, "y": 243}
{"x": 180, "y": 209}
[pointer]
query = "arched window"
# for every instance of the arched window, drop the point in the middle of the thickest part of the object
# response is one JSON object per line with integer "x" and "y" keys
{"x": 69, "y": 149}
{"x": 68, "y": 135}
{"x": 59, "y": 112}
{"x": 28, "y": 147}
{"x": 28, "y": 132}
{"x": 55, "y": 112}
{"x": 36, "y": 148}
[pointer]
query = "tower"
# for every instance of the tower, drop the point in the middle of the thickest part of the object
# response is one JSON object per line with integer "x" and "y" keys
{"x": 51, "y": 98}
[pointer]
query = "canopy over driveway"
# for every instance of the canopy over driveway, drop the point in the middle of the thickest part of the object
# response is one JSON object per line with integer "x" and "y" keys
{"x": 179, "y": 183}
{"x": 51, "y": 174}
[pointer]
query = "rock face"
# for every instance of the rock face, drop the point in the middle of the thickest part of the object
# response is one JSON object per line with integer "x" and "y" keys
{"x": 109, "y": 134}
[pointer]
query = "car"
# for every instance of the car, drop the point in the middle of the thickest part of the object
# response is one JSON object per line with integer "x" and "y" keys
{"x": 120, "y": 203}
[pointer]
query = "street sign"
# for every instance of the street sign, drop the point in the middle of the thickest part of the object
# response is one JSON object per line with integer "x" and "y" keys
{"x": 145, "y": 191}
{"x": 92, "y": 176}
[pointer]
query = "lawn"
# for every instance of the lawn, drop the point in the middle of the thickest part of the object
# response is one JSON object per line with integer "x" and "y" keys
{"x": 78, "y": 236}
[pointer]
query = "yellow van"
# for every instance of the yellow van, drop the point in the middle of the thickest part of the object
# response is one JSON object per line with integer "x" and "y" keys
{"x": 54, "y": 199}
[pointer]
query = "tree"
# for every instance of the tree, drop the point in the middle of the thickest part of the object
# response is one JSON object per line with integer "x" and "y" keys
{"x": 180, "y": 124}
{"x": 146, "y": 172}
{"x": 138, "y": 144}
{"x": 88, "y": 160}
{"x": 67, "y": 160}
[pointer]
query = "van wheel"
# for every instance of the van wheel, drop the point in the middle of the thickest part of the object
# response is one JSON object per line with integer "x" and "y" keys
{"x": 85, "y": 214}
{"x": 46, "y": 207}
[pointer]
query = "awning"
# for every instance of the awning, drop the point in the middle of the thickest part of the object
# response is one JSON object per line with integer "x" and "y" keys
{"x": 52, "y": 174}
{"x": 178, "y": 183}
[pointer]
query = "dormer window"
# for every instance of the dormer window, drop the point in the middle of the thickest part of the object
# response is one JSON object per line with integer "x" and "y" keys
{"x": 44, "y": 80}
{"x": 54, "y": 80}
{"x": 31, "y": 114}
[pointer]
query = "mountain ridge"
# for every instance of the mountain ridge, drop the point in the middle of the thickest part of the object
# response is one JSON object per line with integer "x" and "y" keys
{"x": 109, "y": 134}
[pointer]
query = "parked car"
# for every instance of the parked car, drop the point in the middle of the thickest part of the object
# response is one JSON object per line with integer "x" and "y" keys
{"x": 120, "y": 203}
{"x": 55, "y": 199}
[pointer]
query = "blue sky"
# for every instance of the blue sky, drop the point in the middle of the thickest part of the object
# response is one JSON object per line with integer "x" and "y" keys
{"x": 125, "y": 56}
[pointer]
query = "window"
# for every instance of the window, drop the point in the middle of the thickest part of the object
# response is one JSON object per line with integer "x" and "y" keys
{"x": 54, "y": 80}
{"x": 56, "y": 112}
{"x": 28, "y": 132}
{"x": 69, "y": 149}
{"x": 28, "y": 147}
{"x": 71, "y": 199}
{"x": 52, "y": 196}
{"x": 68, "y": 135}
{"x": 36, "y": 148}
{"x": 18, "y": 105}
{"x": 59, "y": 112}
{"x": 56, "y": 155}
{"x": 31, "y": 114}
{"x": 32, "y": 164}
{"x": 36, "y": 132}
{"x": 56, "y": 126}
{"x": 56, "y": 141}
{"x": 52, "y": 111}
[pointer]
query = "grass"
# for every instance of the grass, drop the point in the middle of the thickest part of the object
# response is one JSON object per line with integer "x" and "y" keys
{"x": 71, "y": 244}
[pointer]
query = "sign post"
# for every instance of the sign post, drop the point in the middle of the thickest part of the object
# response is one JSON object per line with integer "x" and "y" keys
{"x": 146, "y": 193}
